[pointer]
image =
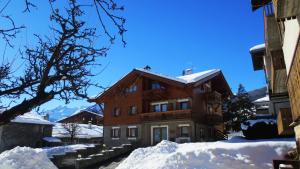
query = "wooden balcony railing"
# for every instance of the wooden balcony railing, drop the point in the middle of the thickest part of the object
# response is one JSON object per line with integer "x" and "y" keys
{"x": 155, "y": 94}
{"x": 213, "y": 97}
{"x": 213, "y": 119}
{"x": 169, "y": 115}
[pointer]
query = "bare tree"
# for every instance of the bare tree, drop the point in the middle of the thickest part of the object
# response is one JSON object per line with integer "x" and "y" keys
{"x": 59, "y": 67}
{"x": 72, "y": 130}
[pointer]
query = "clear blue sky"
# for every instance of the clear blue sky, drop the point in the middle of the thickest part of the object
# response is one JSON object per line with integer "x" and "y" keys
{"x": 171, "y": 35}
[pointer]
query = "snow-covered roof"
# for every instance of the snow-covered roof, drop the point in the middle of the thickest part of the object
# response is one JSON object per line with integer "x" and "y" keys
{"x": 186, "y": 79}
{"x": 257, "y": 48}
{"x": 84, "y": 131}
{"x": 263, "y": 99}
{"x": 52, "y": 139}
{"x": 192, "y": 78}
{"x": 31, "y": 118}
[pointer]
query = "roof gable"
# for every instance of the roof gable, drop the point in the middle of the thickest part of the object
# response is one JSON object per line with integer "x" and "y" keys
{"x": 181, "y": 81}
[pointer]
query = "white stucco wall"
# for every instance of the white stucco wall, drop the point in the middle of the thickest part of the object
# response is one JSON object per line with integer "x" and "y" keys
{"x": 291, "y": 35}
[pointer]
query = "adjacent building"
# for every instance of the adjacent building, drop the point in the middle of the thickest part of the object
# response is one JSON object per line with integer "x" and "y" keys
{"x": 145, "y": 107}
{"x": 29, "y": 130}
{"x": 280, "y": 59}
{"x": 84, "y": 116}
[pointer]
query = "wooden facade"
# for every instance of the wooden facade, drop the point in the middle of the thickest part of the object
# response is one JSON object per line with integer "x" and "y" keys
{"x": 284, "y": 119}
{"x": 294, "y": 85}
{"x": 163, "y": 101}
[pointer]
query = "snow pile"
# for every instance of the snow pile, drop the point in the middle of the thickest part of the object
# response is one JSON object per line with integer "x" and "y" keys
{"x": 250, "y": 123}
{"x": 25, "y": 158}
{"x": 84, "y": 131}
{"x": 63, "y": 149}
{"x": 235, "y": 154}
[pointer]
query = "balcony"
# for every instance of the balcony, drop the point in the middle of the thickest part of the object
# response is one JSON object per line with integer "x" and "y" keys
{"x": 213, "y": 119}
{"x": 213, "y": 97}
{"x": 278, "y": 81}
{"x": 272, "y": 33}
{"x": 155, "y": 94}
{"x": 169, "y": 115}
{"x": 284, "y": 119}
{"x": 286, "y": 9}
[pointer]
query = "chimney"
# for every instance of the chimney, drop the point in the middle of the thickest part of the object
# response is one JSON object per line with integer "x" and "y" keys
{"x": 46, "y": 116}
{"x": 147, "y": 67}
{"x": 187, "y": 72}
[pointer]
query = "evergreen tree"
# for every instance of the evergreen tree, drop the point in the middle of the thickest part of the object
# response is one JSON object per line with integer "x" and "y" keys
{"x": 238, "y": 109}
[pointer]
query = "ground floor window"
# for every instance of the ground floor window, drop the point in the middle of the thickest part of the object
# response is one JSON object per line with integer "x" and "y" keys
{"x": 115, "y": 132}
{"x": 132, "y": 132}
{"x": 184, "y": 130}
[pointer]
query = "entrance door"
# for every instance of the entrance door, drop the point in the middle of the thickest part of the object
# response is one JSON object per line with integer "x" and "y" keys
{"x": 159, "y": 134}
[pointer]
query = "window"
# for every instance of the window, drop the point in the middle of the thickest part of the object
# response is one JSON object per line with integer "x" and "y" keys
{"x": 184, "y": 105}
{"x": 160, "y": 107}
{"x": 132, "y": 110}
{"x": 185, "y": 131}
{"x": 132, "y": 132}
{"x": 115, "y": 132}
{"x": 155, "y": 85}
{"x": 156, "y": 108}
{"x": 116, "y": 112}
{"x": 132, "y": 89}
{"x": 164, "y": 107}
{"x": 209, "y": 108}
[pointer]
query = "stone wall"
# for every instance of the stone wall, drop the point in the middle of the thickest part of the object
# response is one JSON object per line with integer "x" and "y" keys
{"x": 19, "y": 134}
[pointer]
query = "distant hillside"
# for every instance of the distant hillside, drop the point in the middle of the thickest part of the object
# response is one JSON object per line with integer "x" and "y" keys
{"x": 65, "y": 111}
{"x": 60, "y": 112}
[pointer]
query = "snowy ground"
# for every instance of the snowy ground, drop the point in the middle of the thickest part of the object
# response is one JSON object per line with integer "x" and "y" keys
{"x": 237, "y": 153}
{"x": 84, "y": 131}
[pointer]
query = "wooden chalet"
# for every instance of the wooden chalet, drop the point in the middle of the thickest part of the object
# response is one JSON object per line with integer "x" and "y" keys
{"x": 84, "y": 117}
{"x": 146, "y": 108}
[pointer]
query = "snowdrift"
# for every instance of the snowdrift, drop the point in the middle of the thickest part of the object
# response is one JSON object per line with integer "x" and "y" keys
{"x": 25, "y": 158}
{"x": 234, "y": 154}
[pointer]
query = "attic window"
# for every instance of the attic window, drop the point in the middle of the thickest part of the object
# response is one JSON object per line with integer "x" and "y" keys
{"x": 156, "y": 85}
{"x": 132, "y": 89}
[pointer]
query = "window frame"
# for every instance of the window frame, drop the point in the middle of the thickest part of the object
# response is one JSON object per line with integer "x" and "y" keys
{"x": 115, "y": 114}
{"x": 130, "y": 111}
{"x": 132, "y": 132}
{"x": 182, "y": 103}
{"x": 113, "y": 133}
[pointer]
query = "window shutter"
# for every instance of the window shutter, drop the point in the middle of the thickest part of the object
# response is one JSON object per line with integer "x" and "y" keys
{"x": 111, "y": 132}
{"x": 119, "y": 132}
{"x": 136, "y": 132}
{"x": 190, "y": 131}
{"x": 178, "y": 132}
{"x": 170, "y": 106}
{"x": 127, "y": 132}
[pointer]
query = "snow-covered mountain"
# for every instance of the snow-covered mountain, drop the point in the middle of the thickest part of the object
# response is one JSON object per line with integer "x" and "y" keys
{"x": 65, "y": 111}
{"x": 60, "y": 112}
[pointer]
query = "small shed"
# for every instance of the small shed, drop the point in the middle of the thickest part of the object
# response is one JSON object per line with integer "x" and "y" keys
{"x": 25, "y": 130}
